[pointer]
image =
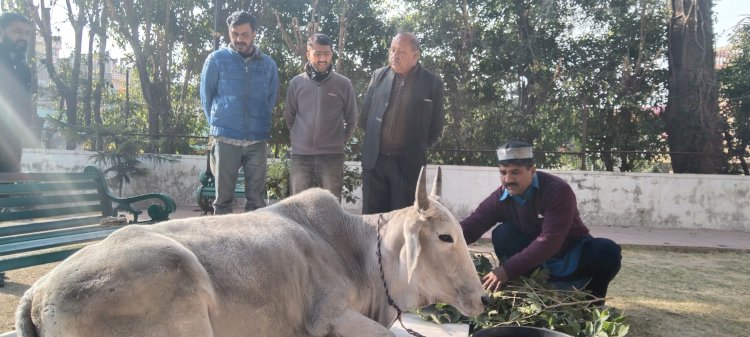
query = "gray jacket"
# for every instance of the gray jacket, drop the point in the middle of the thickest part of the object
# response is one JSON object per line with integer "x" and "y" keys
{"x": 322, "y": 116}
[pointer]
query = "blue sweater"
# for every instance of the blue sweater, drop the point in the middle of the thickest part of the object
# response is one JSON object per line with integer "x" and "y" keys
{"x": 237, "y": 96}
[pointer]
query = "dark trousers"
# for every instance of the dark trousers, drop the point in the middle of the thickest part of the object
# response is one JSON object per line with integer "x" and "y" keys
{"x": 599, "y": 262}
{"x": 389, "y": 185}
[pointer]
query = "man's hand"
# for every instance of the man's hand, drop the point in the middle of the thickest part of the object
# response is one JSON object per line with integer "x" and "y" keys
{"x": 494, "y": 279}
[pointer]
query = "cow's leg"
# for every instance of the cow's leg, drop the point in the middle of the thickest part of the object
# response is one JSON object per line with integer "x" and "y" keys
{"x": 354, "y": 324}
{"x": 185, "y": 320}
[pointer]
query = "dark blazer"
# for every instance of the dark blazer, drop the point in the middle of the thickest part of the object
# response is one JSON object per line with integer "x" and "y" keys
{"x": 17, "y": 113}
{"x": 425, "y": 120}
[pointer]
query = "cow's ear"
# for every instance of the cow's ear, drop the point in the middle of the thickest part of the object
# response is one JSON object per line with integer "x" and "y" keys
{"x": 437, "y": 185}
{"x": 421, "y": 202}
{"x": 413, "y": 249}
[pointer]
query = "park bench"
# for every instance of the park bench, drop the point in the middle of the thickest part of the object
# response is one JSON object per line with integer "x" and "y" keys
{"x": 206, "y": 192}
{"x": 46, "y": 217}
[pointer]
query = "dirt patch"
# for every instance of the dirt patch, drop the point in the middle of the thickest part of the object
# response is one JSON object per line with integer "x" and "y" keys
{"x": 16, "y": 283}
{"x": 665, "y": 293}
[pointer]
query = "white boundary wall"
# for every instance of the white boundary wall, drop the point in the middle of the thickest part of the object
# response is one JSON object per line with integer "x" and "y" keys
{"x": 604, "y": 198}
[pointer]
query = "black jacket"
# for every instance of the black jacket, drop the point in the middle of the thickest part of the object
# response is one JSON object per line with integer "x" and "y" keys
{"x": 425, "y": 120}
{"x": 15, "y": 93}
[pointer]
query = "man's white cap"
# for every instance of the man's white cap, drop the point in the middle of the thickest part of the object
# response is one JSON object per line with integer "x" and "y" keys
{"x": 504, "y": 153}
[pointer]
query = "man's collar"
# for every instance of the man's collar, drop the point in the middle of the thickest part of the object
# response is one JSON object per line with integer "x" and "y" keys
{"x": 254, "y": 53}
{"x": 526, "y": 194}
{"x": 409, "y": 73}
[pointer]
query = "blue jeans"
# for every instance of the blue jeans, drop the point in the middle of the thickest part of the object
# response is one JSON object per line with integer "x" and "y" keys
{"x": 599, "y": 262}
{"x": 226, "y": 160}
{"x": 322, "y": 170}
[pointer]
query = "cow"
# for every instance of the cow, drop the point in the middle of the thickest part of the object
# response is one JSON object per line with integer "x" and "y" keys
{"x": 301, "y": 267}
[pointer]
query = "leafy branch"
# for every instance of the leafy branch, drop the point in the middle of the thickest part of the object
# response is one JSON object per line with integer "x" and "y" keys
{"x": 532, "y": 301}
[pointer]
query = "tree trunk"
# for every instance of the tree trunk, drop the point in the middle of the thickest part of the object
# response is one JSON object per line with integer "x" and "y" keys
{"x": 526, "y": 82}
{"x": 151, "y": 61}
{"x": 692, "y": 116}
{"x": 348, "y": 10}
{"x": 298, "y": 42}
{"x": 98, "y": 91}
{"x": 456, "y": 84}
{"x": 89, "y": 81}
{"x": 68, "y": 89}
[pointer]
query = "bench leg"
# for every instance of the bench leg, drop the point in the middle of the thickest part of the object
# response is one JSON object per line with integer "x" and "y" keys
{"x": 206, "y": 205}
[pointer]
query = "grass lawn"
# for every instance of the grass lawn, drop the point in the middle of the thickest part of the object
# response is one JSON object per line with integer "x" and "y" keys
{"x": 668, "y": 293}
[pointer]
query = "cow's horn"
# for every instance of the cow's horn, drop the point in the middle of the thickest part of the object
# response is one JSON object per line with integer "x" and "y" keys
{"x": 437, "y": 185}
{"x": 422, "y": 202}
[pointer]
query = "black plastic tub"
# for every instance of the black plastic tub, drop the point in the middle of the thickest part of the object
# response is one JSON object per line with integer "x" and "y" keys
{"x": 518, "y": 331}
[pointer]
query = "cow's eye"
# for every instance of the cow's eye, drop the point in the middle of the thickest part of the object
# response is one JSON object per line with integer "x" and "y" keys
{"x": 445, "y": 238}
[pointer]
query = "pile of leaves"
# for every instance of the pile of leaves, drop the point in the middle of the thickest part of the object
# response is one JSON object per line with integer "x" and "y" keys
{"x": 532, "y": 301}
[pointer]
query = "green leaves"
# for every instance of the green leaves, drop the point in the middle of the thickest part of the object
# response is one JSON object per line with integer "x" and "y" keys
{"x": 277, "y": 179}
{"x": 606, "y": 323}
{"x": 533, "y": 301}
{"x": 352, "y": 180}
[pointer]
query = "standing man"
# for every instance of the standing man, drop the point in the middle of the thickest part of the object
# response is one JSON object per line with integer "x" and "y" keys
{"x": 239, "y": 87}
{"x": 539, "y": 226}
{"x": 17, "y": 116}
{"x": 402, "y": 116}
{"x": 321, "y": 113}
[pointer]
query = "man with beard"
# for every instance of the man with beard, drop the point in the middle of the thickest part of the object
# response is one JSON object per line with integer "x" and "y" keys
{"x": 321, "y": 113}
{"x": 239, "y": 87}
{"x": 402, "y": 116}
{"x": 539, "y": 225}
{"x": 17, "y": 116}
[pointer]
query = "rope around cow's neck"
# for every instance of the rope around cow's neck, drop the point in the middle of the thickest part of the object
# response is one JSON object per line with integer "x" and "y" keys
{"x": 385, "y": 285}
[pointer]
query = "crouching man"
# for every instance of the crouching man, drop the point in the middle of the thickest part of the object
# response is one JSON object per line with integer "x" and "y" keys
{"x": 539, "y": 225}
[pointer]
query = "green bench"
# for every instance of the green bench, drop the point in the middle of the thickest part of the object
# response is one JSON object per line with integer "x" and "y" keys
{"x": 46, "y": 217}
{"x": 206, "y": 192}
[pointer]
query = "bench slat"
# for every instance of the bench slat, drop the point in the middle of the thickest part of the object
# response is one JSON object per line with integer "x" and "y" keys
{"x": 56, "y": 176}
{"x": 38, "y": 187}
{"x": 49, "y": 225}
{"x": 20, "y": 247}
{"x": 31, "y": 201}
{"x": 210, "y": 192}
{"x": 51, "y": 234}
{"x": 50, "y": 212}
{"x": 33, "y": 260}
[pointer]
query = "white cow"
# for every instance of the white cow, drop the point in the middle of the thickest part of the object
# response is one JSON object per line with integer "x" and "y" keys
{"x": 302, "y": 267}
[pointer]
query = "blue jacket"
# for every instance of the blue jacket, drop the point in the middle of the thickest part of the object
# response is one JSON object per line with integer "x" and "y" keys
{"x": 238, "y": 97}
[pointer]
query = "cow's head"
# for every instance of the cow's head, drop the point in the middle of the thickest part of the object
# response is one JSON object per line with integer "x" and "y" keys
{"x": 437, "y": 259}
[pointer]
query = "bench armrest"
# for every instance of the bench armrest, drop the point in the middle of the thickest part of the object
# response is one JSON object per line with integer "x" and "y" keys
{"x": 156, "y": 211}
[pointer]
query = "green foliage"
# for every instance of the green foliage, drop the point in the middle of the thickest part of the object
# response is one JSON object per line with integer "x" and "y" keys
{"x": 735, "y": 93}
{"x": 532, "y": 301}
{"x": 122, "y": 158}
{"x": 277, "y": 179}
{"x": 583, "y": 80}
{"x": 352, "y": 180}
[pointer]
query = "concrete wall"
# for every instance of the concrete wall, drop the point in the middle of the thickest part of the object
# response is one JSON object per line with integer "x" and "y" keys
{"x": 604, "y": 198}
{"x": 626, "y": 199}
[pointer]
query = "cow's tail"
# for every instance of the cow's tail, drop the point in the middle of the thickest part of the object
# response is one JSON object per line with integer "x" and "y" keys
{"x": 24, "y": 326}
